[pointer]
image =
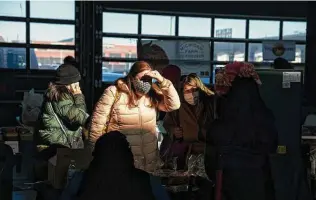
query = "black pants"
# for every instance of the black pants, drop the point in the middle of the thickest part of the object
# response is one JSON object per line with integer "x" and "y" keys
{"x": 246, "y": 184}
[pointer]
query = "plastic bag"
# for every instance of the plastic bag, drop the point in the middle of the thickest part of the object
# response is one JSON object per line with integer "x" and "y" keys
{"x": 31, "y": 107}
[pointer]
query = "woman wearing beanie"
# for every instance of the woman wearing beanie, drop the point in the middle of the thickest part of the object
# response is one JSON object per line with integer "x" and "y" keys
{"x": 63, "y": 111}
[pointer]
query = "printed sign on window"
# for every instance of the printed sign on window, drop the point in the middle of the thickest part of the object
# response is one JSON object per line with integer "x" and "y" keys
{"x": 274, "y": 49}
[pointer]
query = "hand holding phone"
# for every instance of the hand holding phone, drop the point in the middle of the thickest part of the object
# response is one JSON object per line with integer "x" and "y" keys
{"x": 75, "y": 88}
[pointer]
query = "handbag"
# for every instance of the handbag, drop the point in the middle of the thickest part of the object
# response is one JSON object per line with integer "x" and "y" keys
{"x": 170, "y": 148}
{"x": 74, "y": 143}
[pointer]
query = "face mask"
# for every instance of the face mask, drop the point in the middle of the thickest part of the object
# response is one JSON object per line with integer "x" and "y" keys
{"x": 192, "y": 98}
{"x": 141, "y": 86}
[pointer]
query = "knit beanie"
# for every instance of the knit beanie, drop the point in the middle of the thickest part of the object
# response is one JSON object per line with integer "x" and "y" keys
{"x": 67, "y": 74}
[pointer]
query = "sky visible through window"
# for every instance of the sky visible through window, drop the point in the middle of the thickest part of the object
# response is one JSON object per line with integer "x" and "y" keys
{"x": 127, "y": 23}
{"x": 40, "y": 9}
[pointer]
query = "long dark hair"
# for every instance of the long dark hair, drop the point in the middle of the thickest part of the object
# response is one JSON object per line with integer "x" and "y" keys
{"x": 245, "y": 120}
{"x": 112, "y": 174}
{"x": 57, "y": 92}
{"x": 154, "y": 94}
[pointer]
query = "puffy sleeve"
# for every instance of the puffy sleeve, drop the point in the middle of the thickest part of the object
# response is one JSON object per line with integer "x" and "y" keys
{"x": 73, "y": 111}
{"x": 171, "y": 100}
{"x": 100, "y": 114}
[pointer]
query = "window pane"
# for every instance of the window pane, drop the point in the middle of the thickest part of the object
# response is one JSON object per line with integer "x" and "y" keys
{"x": 215, "y": 68}
{"x": 48, "y": 58}
{"x": 255, "y": 52}
{"x": 12, "y": 32}
{"x": 189, "y": 50}
{"x": 218, "y": 66}
{"x": 12, "y": 57}
{"x": 52, "y": 34}
{"x": 195, "y": 26}
{"x": 159, "y": 51}
{"x": 259, "y": 29}
{"x": 228, "y": 51}
{"x": 119, "y": 47}
{"x": 114, "y": 70}
{"x": 230, "y": 28}
{"x": 294, "y": 31}
{"x": 120, "y": 23}
{"x": 201, "y": 68}
{"x": 53, "y": 9}
{"x": 299, "y": 54}
{"x": 12, "y": 8}
{"x": 158, "y": 25}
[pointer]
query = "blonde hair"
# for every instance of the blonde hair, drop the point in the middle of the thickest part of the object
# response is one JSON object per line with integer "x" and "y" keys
{"x": 193, "y": 80}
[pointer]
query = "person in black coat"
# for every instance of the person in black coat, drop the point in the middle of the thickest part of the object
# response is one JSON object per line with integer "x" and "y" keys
{"x": 240, "y": 140}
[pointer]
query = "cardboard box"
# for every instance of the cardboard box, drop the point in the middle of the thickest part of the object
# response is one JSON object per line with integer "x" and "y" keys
{"x": 58, "y": 165}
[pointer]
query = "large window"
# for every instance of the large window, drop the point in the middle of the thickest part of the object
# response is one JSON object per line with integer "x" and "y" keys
{"x": 299, "y": 54}
{"x": 158, "y": 25}
{"x": 180, "y": 39}
{"x": 12, "y": 8}
{"x": 49, "y": 40}
{"x": 265, "y": 30}
{"x": 120, "y": 23}
{"x": 255, "y": 52}
{"x": 227, "y": 51}
{"x": 53, "y": 9}
{"x": 41, "y": 33}
{"x": 12, "y": 58}
{"x": 294, "y": 30}
{"x": 195, "y": 26}
{"x": 121, "y": 47}
{"x": 230, "y": 28}
{"x": 12, "y": 32}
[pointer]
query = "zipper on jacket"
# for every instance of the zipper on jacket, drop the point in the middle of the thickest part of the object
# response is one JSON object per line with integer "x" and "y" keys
{"x": 141, "y": 137}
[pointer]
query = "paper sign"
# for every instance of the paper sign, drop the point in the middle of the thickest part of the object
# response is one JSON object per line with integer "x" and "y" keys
{"x": 275, "y": 49}
{"x": 292, "y": 77}
{"x": 190, "y": 56}
{"x": 14, "y": 145}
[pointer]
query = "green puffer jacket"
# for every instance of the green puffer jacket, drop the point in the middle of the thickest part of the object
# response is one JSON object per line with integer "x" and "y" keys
{"x": 61, "y": 118}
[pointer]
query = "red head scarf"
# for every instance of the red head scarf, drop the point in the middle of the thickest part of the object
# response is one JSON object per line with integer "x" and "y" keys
{"x": 225, "y": 77}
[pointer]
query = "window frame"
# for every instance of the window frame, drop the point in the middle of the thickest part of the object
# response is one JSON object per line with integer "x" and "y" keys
{"x": 210, "y": 39}
{"x": 28, "y": 45}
